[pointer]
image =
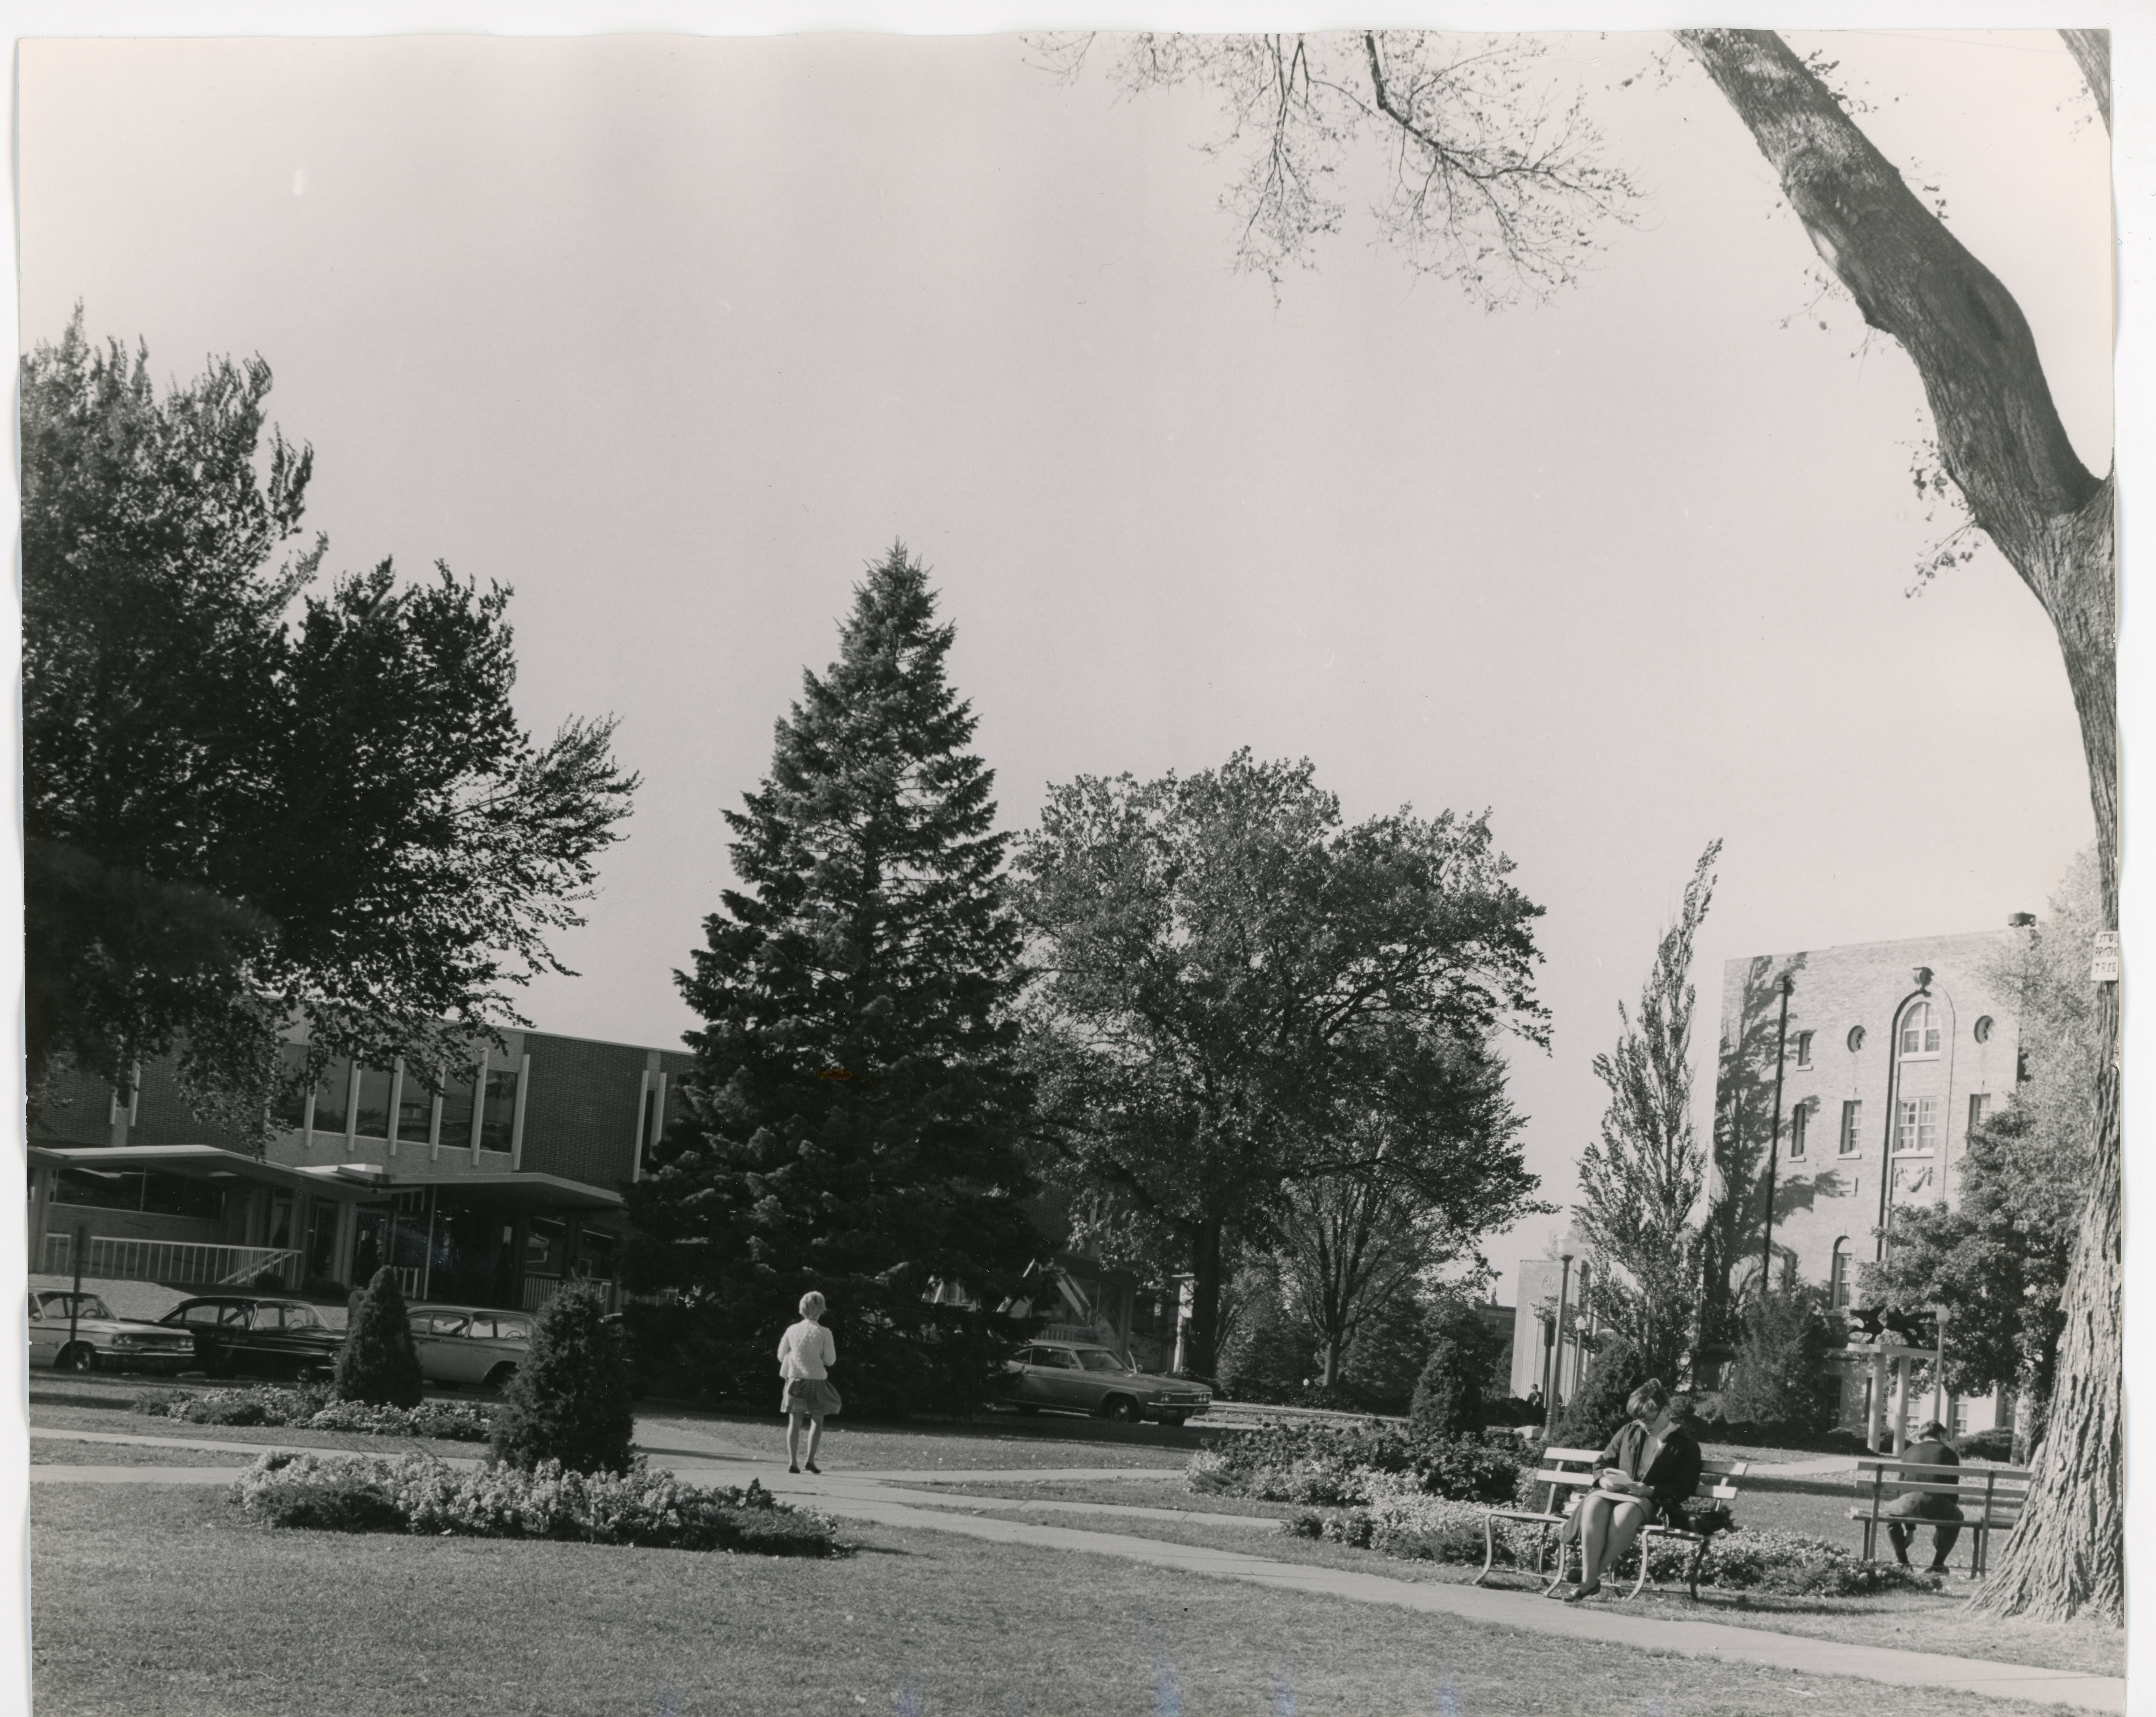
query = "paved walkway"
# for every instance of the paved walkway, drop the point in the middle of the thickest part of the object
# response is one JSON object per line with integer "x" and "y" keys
{"x": 865, "y": 1494}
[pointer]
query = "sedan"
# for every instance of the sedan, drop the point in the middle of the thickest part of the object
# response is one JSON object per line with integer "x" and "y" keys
{"x": 267, "y": 1338}
{"x": 470, "y": 1344}
{"x": 78, "y": 1332}
{"x": 1080, "y": 1377}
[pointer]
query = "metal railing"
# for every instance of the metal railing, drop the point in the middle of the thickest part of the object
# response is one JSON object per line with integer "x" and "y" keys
{"x": 178, "y": 1263}
{"x": 540, "y": 1289}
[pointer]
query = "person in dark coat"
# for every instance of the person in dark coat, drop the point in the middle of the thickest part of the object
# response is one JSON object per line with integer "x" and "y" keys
{"x": 1648, "y": 1473}
{"x": 1930, "y": 1449}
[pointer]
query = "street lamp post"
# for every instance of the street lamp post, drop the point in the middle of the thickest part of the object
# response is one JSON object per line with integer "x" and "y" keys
{"x": 1563, "y": 1290}
{"x": 1775, "y": 1140}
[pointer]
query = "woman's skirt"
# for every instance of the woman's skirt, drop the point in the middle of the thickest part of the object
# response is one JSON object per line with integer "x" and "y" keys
{"x": 814, "y": 1397}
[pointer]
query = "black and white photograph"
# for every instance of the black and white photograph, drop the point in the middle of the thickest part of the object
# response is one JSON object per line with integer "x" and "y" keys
{"x": 1046, "y": 869}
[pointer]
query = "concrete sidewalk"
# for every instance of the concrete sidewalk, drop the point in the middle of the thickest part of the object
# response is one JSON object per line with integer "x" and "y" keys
{"x": 860, "y": 1494}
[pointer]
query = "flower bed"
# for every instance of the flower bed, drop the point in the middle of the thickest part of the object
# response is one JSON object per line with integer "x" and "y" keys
{"x": 1401, "y": 1521}
{"x": 313, "y": 1410}
{"x": 418, "y": 1493}
{"x": 1336, "y": 1465}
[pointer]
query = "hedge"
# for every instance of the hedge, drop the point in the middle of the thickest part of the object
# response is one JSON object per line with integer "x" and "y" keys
{"x": 1338, "y": 1465}
{"x": 421, "y": 1494}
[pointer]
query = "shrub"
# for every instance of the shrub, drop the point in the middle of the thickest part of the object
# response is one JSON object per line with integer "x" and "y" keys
{"x": 421, "y": 1494}
{"x": 1995, "y": 1445}
{"x": 1597, "y": 1408}
{"x": 569, "y": 1401}
{"x": 1336, "y": 1464}
{"x": 378, "y": 1363}
{"x": 1780, "y": 1362}
{"x": 1448, "y": 1396}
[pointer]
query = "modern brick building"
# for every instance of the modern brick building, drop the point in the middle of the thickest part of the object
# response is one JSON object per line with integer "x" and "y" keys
{"x": 1893, "y": 1051}
{"x": 491, "y": 1191}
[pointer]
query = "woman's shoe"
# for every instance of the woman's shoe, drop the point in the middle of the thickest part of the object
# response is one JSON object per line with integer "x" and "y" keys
{"x": 794, "y": 1469}
{"x": 1579, "y": 1592}
{"x": 816, "y": 1469}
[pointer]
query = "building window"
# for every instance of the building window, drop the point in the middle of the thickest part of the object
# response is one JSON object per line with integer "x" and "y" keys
{"x": 457, "y": 1113}
{"x": 332, "y": 1097}
{"x": 1837, "y": 1281}
{"x": 372, "y": 1102}
{"x": 415, "y": 1107}
{"x": 1803, "y": 1049}
{"x": 1852, "y": 1123}
{"x": 1979, "y": 1106}
{"x": 1799, "y": 1121}
{"x": 1984, "y": 1028}
{"x": 1917, "y": 1124}
{"x": 498, "y": 1127}
{"x": 1856, "y": 1039}
{"x": 1920, "y": 1032}
{"x": 1959, "y": 1415}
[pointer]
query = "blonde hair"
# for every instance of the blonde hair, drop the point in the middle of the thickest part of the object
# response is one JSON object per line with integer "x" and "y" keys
{"x": 812, "y": 1304}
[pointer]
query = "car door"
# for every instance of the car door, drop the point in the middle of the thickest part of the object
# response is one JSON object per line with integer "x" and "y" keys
{"x": 1063, "y": 1385}
{"x": 502, "y": 1340}
{"x": 46, "y": 1333}
{"x": 437, "y": 1337}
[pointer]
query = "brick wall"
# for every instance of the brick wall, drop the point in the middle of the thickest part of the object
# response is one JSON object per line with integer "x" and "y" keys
{"x": 581, "y": 1115}
{"x": 1826, "y": 1196}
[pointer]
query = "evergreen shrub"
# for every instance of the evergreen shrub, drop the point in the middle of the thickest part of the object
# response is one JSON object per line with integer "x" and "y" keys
{"x": 1596, "y": 1407}
{"x": 569, "y": 1400}
{"x": 378, "y": 1363}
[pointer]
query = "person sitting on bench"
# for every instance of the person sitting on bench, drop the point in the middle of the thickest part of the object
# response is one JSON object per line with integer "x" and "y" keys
{"x": 1648, "y": 1473}
{"x": 1931, "y": 1449}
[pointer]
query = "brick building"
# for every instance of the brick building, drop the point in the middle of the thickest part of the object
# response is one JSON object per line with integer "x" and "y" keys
{"x": 1893, "y": 1051}
{"x": 490, "y": 1191}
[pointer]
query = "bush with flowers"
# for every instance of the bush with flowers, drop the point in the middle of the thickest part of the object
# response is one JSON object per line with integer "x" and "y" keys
{"x": 310, "y": 1408}
{"x": 418, "y": 1493}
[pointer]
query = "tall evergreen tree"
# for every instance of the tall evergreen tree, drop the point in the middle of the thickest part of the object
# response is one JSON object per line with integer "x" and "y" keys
{"x": 856, "y": 1109}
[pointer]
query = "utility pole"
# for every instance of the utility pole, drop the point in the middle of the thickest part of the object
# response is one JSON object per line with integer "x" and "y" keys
{"x": 1774, "y": 1139}
{"x": 1563, "y": 1289}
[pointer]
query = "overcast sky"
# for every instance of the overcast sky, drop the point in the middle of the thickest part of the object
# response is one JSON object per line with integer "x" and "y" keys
{"x": 674, "y": 335}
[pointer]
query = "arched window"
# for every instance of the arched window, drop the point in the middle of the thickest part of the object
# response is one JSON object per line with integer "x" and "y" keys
{"x": 1920, "y": 1030}
{"x": 1837, "y": 1281}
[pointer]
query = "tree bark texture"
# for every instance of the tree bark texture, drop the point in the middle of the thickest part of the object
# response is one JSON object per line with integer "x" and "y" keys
{"x": 1202, "y": 1348}
{"x": 2002, "y": 441}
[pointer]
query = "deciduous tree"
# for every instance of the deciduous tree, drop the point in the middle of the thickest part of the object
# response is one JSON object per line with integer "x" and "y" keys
{"x": 1240, "y": 995}
{"x": 1642, "y": 1179}
{"x": 245, "y": 799}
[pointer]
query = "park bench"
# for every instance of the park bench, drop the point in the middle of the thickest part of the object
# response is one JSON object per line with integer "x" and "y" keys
{"x": 1990, "y": 1499}
{"x": 1569, "y": 1474}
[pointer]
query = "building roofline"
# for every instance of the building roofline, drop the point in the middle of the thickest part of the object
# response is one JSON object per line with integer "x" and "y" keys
{"x": 1971, "y": 936}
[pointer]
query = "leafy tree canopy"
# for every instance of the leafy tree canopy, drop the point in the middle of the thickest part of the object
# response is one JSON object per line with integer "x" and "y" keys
{"x": 1240, "y": 993}
{"x": 246, "y": 799}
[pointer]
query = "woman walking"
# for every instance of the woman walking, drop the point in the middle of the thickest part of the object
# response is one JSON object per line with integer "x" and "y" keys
{"x": 806, "y": 1355}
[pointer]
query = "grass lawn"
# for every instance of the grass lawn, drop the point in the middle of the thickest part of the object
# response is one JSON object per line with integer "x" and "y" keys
{"x": 1912, "y": 1621}
{"x": 162, "y": 1600}
{"x": 48, "y": 1452}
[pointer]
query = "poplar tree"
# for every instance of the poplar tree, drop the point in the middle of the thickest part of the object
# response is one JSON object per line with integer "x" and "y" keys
{"x": 856, "y": 1109}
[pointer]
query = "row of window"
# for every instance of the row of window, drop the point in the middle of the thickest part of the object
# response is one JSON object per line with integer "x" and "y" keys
{"x": 152, "y": 1191}
{"x": 1916, "y": 1123}
{"x": 358, "y": 1101}
{"x": 1920, "y": 1035}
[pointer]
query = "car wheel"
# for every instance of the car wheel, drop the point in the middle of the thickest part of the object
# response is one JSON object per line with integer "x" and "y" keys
{"x": 1120, "y": 1408}
{"x": 498, "y": 1379}
{"x": 81, "y": 1357}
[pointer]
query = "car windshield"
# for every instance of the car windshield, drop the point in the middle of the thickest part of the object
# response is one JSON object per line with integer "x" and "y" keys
{"x": 1099, "y": 1358}
{"x": 56, "y": 1306}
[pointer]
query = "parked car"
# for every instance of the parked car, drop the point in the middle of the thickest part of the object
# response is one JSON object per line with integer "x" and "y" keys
{"x": 263, "y": 1337}
{"x": 73, "y": 1332}
{"x": 470, "y": 1344}
{"x": 1082, "y": 1377}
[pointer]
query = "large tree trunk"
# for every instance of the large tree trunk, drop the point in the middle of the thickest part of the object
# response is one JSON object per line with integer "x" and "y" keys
{"x": 2003, "y": 442}
{"x": 1202, "y": 1347}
